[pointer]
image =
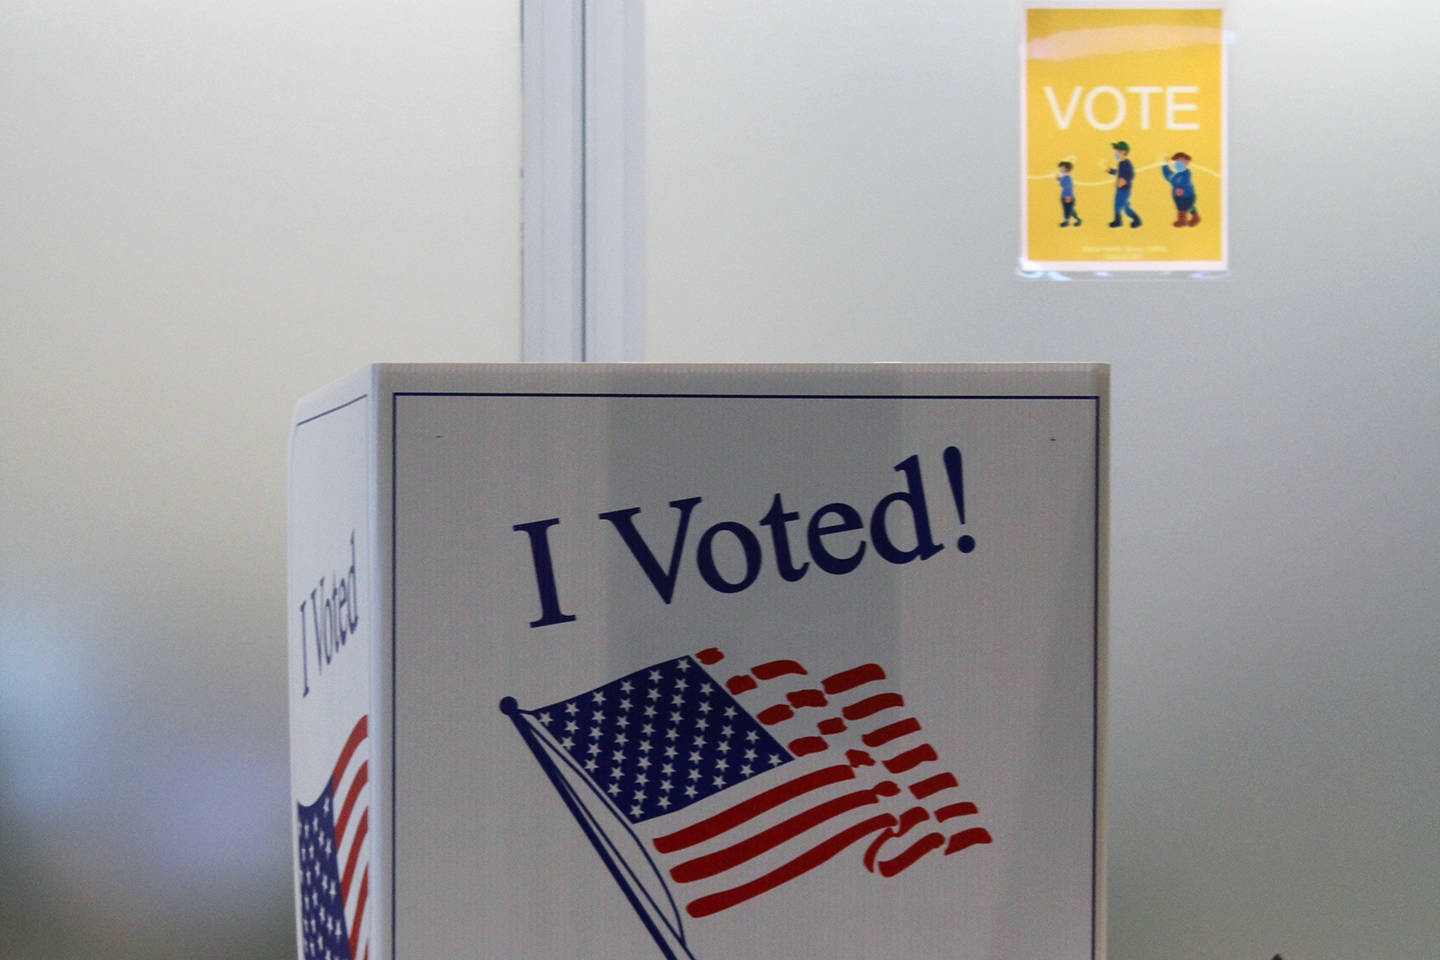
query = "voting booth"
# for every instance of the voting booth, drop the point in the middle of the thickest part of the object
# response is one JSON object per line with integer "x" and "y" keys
{"x": 705, "y": 662}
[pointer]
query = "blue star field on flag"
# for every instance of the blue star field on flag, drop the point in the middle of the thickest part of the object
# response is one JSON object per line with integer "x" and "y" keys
{"x": 660, "y": 739}
{"x": 322, "y": 902}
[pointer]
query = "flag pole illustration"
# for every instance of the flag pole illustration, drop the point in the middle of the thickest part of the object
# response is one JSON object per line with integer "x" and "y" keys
{"x": 620, "y": 871}
{"x": 688, "y": 794}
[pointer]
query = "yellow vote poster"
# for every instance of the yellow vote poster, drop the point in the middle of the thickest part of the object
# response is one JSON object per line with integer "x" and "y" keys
{"x": 1123, "y": 143}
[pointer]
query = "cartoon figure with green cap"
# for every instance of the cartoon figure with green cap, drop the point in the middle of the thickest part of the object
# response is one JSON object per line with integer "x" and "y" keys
{"x": 1124, "y": 173}
{"x": 1185, "y": 213}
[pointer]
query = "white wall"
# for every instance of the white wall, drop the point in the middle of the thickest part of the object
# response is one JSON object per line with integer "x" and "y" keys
{"x": 835, "y": 180}
{"x": 206, "y": 210}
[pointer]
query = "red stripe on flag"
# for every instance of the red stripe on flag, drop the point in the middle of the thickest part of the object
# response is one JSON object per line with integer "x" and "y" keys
{"x": 941, "y": 781}
{"x": 360, "y": 912}
{"x": 776, "y": 668}
{"x": 861, "y": 709}
{"x": 831, "y": 726}
{"x": 967, "y": 838}
{"x": 356, "y": 735}
{"x": 751, "y": 847}
{"x": 812, "y": 858}
{"x": 749, "y": 809}
{"x": 956, "y": 810}
{"x": 911, "y": 818}
{"x": 892, "y": 731}
{"x": 806, "y": 698}
{"x": 775, "y": 714}
{"x": 804, "y": 745}
{"x": 859, "y": 758}
{"x": 911, "y": 758}
{"x": 852, "y": 678}
{"x": 360, "y": 832}
{"x": 916, "y": 850}
{"x": 908, "y": 820}
{"x": 740, "y": 683}
{"x": 362, "y": 776}
{"x": 710, "y": 656}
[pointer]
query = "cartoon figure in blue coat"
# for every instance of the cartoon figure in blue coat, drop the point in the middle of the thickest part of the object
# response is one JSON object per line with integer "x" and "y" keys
{"x": 1124, "y": 173}
{"x": 1183, "y": 190}
{"x": 1067, "y": 193}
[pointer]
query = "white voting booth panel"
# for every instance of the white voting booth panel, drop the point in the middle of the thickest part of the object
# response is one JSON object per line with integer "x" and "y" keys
{"x": 699, "y": 662}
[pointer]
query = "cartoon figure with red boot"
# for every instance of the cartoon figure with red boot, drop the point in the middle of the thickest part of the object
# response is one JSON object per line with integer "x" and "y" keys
{"x": 1185, "y": 213}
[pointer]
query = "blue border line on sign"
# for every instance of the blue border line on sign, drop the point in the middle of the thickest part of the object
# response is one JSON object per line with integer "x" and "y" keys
{"x": 1095, "y": 701}
{"x": 327, "y": 413}
{"x": 755, "y": 396}
{"x": 394, "y": 637}
{"x": 1095, "y": 584}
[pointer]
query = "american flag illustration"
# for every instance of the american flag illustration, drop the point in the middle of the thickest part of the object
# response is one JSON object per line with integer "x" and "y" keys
{"x": 702, "y": 788}
{"x": 335, "y": 858}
